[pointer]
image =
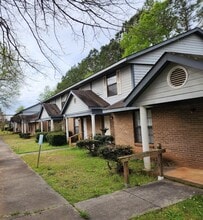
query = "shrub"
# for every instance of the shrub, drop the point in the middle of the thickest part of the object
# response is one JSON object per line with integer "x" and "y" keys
{"x": 56, "y": 138}
{"x": 91, "y": 145}
{"x": 44, "y": 138}
{"x": 112, "y": 154}
{"x": 24, "y": 135}
{"x": 104, "y": 139}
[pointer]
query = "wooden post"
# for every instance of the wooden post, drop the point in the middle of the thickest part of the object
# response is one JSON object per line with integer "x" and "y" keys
{"x": 126, "y": 173}
{"x": 160, "y": 164}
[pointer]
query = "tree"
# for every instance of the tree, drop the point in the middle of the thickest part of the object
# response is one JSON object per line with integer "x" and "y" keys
{"x": 40, "y": 17}
{"x": 160, "y": 20}
{"x": 10, "y": 76}
{"x": 156, "y": 24}
{"x": 94, "y": 62}
{"x": 187, "y": 14}
{"x": 48, "y": 92}
{"x": 19, "y": 109}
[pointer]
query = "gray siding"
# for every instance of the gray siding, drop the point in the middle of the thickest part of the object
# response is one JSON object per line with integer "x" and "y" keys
{"x": 98, "y": 87}
{"x": 139, "y": 72}
{"x": 76, "y": 106}
{"x": 191, "y": 45}
{"x": 160, "y": 92}
{"x": 86, "y": 87}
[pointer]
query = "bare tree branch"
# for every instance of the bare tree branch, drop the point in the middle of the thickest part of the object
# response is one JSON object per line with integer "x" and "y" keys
{"x": 39, "y": 16}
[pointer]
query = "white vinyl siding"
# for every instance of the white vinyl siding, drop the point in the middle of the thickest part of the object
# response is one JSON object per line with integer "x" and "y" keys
{"x": 76, "y": 106}
{"x": 58, "y": 102}
{"x": 160, "y": 92}
{"x": 44, "y": 114}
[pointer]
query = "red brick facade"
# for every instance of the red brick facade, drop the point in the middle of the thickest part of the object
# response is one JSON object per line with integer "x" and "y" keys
{"x": 123, "y": 128}
{"x": 178, "y": 127}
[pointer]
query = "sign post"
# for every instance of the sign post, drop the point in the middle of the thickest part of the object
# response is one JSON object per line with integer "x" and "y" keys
{"x": 40, "y": 146}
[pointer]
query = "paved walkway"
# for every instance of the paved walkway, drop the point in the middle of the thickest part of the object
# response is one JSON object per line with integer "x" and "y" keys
{"x": 124, "y": 204}
{"x": 24, "y": 195}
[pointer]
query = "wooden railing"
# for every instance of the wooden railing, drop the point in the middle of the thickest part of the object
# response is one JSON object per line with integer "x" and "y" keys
{"x": 125, "y": 159}
{"x": 79, "y": 135}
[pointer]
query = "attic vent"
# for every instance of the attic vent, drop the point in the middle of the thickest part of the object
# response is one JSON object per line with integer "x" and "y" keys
{"x": 177, "y": 77}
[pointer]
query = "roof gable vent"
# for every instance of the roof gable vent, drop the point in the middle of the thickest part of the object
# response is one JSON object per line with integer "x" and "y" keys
{"x": 177, "y": 77}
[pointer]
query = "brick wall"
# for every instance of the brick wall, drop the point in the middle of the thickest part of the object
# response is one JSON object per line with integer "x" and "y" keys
{"x": 123, "y": 128}
{"x": 179, "y": 128}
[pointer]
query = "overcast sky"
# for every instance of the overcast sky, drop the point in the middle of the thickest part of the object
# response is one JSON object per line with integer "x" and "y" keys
{"x": 74, "y": 50}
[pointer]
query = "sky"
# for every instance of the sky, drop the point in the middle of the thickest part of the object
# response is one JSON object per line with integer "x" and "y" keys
{"x": 73, "y": 51}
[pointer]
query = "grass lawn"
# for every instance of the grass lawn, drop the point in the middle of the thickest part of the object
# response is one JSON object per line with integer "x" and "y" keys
{"x": 72, "y": 172}
{"x": 21, "y": 146}
{"x": 78, "y": 176}
{"x": 190, "y": 209}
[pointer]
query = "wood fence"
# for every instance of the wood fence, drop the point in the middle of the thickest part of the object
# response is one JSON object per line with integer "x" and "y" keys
{"x": 125, "y": 159}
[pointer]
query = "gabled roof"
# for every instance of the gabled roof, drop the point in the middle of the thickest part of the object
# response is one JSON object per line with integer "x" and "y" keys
{"x": 123, "y": 62}
{"x": 51, "y": 109}
{"x": 28, "y": 118}
{"x": 91, "y": 100}
{"x": 194, "y": 61}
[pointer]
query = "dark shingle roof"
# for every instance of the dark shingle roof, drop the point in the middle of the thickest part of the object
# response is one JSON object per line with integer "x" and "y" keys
{"x": 90, "y": 98}
{"x": 51, "y": 109}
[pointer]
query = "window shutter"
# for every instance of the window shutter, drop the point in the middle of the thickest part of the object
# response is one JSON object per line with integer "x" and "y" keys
{"x": 105, "y": 86}
{"x": 118, "y": 77}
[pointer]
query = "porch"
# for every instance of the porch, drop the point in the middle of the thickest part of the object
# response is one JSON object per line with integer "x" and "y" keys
{"x": 185, "y": 175}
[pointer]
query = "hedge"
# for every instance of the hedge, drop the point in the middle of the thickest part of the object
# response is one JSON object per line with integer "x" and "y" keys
{"x": 56, "y": 138}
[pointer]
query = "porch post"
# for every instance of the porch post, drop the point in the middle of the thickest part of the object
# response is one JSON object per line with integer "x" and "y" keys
{"x": 145, "y": 136}
{"x": 67, "y": 133}
{"x": 93, "y": 125}
{"x": 22, "y": 127}
{"x": 52, "y": 125}
{"x": 41, "y": 125}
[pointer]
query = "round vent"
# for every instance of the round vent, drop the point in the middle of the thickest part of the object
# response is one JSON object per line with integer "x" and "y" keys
{"x": 177, "y": 77}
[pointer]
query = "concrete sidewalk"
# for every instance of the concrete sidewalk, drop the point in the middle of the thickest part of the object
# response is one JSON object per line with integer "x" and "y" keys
{"x": 124, "y": 204}
{"x": 24, "y": 195}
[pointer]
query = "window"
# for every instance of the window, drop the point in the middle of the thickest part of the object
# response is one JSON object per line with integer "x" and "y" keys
{"x": 76, "y": 125}
{"x": 138, "y": 135}
{"x": 112, "y": 85}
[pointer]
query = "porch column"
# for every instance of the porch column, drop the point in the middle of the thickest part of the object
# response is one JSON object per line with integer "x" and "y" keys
{"x": 93, "y": 125}
{"x": 22, "y": 127}
{"x": 145, "y": 136}
{"x": 67, "y": 133}
{"x": 52, "y": 125}
{"x": 41, "y": 126}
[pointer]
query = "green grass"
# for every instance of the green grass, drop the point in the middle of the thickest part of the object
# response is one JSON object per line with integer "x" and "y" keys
{"x": 190, "y": 209}
{"x": 78, "y": 176}
{"x": 21, "y": 146}
{"x": 72, "y": 172}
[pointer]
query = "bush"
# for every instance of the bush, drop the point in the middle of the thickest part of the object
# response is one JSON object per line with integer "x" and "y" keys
{"x": 24, "y": 135}
{"x": 44, "y": 138}
{"x": 91, "y": 145}
{"x": 104, "y": 139}
{"x": 56, "y": 138}
{"x": 112, "y": 154}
